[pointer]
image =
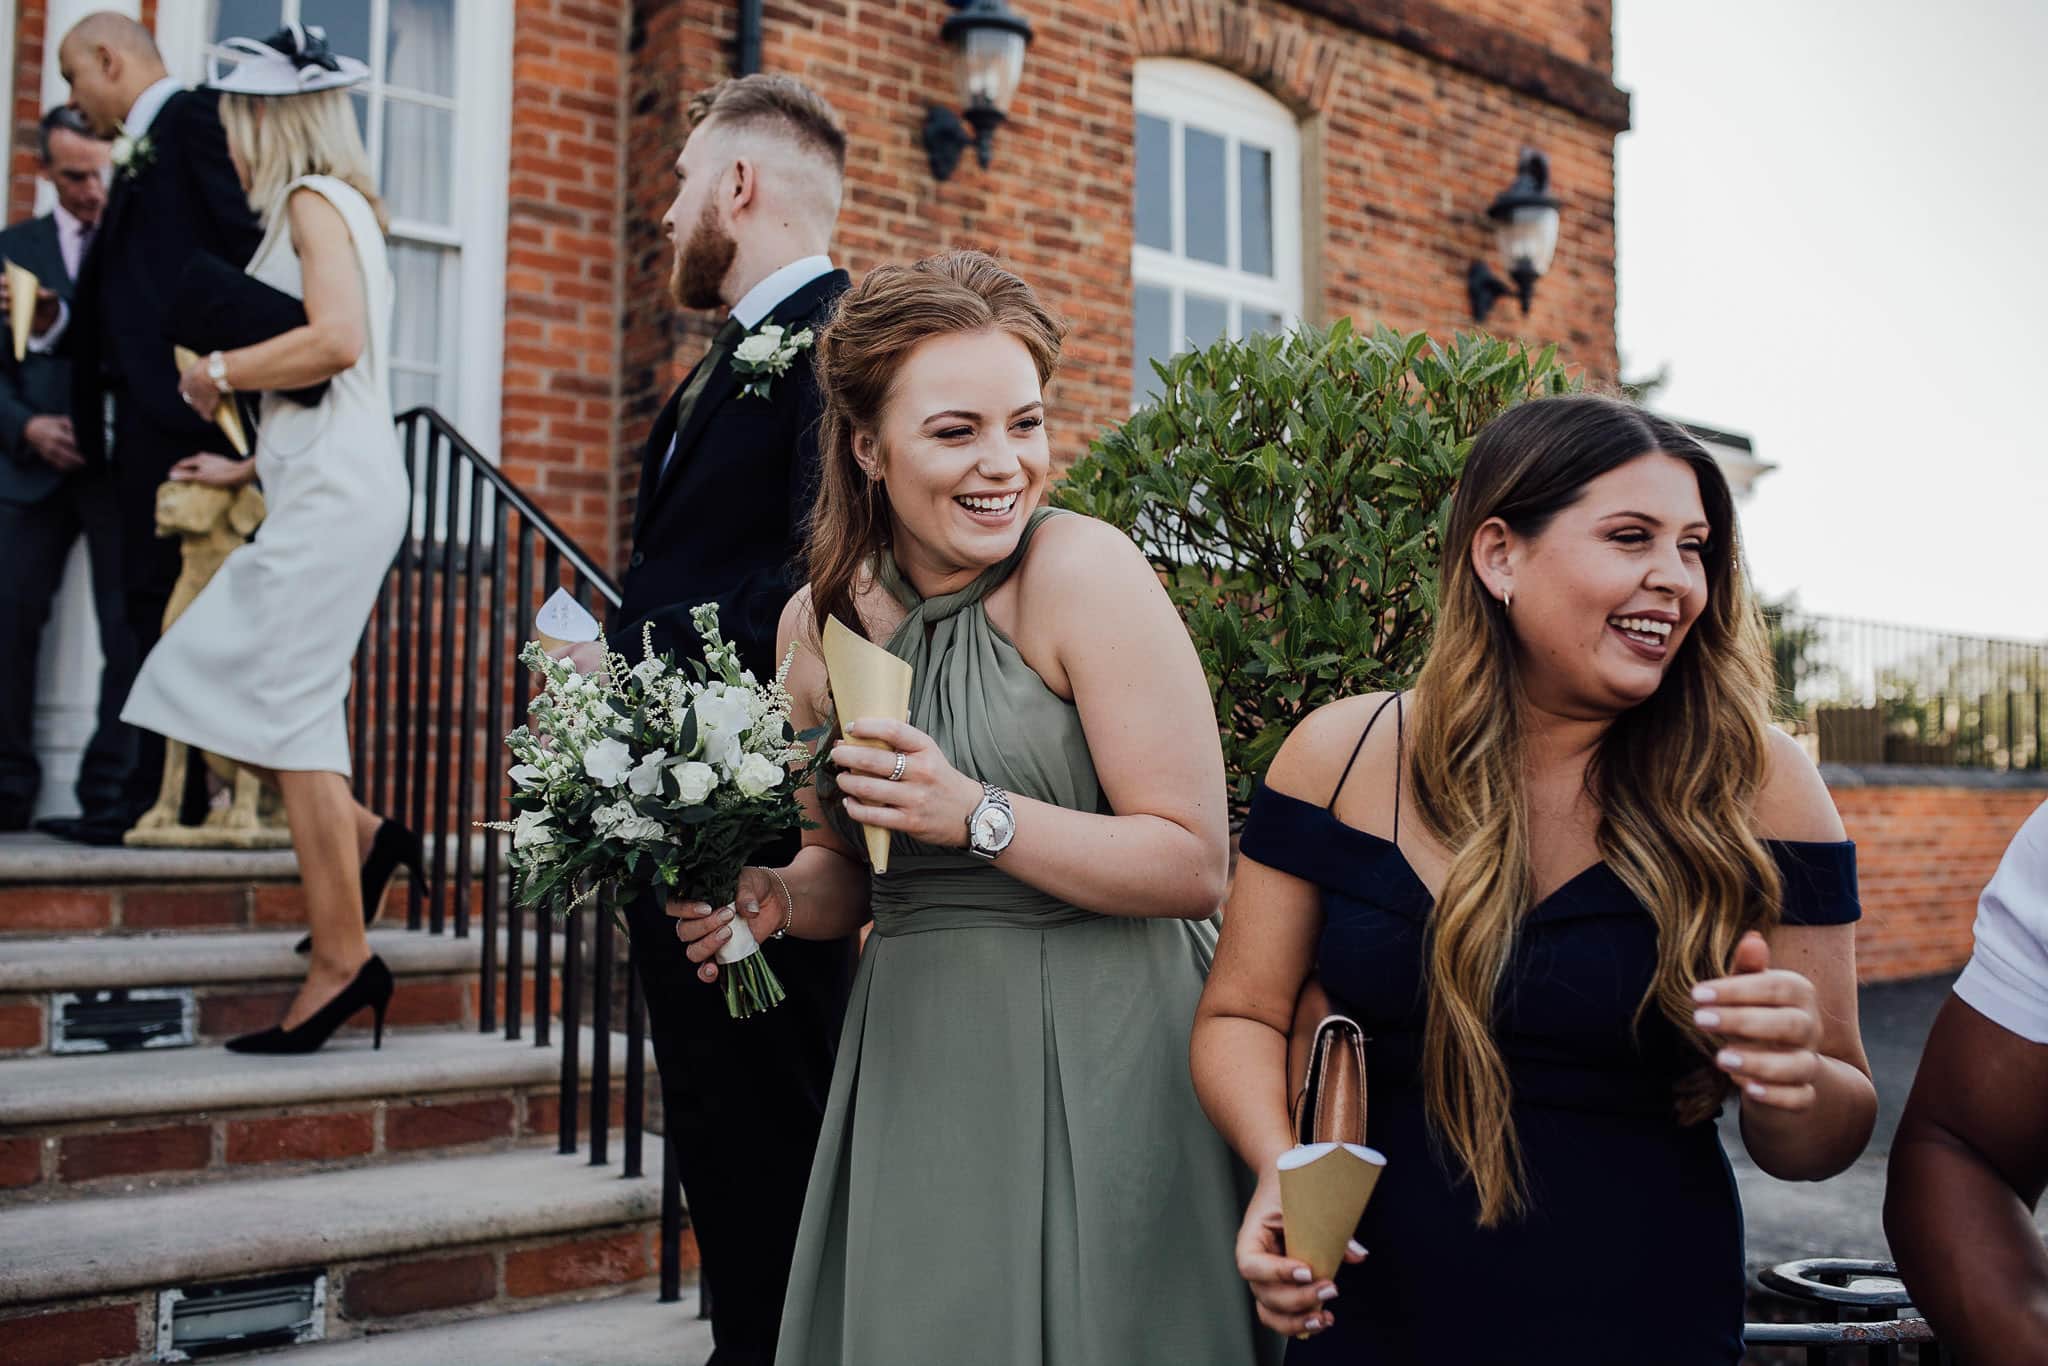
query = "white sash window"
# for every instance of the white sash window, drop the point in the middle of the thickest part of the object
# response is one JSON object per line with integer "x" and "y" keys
{"x": 1216, "y": 247}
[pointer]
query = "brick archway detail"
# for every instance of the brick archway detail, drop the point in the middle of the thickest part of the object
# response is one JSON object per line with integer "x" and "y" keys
{"x": 1284, "y": 58}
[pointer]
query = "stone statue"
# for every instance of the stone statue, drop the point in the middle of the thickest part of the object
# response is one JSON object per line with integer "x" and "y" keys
{"x": 210, "y": 523}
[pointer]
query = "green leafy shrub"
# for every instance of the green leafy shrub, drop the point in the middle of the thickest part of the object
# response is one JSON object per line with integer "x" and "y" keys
{"x": 1292, "y": 492}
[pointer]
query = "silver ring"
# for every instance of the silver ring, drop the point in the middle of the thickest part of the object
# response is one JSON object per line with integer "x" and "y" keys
{"x": 902, "y": 762}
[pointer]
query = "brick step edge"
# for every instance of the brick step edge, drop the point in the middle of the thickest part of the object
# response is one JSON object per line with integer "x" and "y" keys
{"x": 45, "y": 1162}
{"x": 428, "y": 1000}
{"x": 376, "y": 1294}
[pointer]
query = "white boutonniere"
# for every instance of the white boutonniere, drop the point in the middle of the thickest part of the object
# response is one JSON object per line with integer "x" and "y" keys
{"x": 764, "y": 354}
{"x": 131, "y": 155}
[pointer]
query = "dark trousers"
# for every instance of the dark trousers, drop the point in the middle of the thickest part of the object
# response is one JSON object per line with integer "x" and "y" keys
{"x": 744, "y": 1099}
{"x": 35, "y": 541}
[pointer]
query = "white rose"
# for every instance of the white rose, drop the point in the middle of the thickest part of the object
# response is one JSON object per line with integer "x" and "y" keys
{"x": 760, "y": 347}
{"x": 531, "y": 829}
{"x": 645, "y": 779}
{"x": 123, "y": 150}
{"x": 757, "y": 775}
{"x": 637, "y": 827}
{"x": 525, "y": 775}
{"x": 695, "y": 782}
{"x": 607, "y": 761}
{"x": 647, "y": 670}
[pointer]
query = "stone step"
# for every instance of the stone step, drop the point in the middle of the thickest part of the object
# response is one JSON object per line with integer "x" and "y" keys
{"x": 243, "y": 980}
{"x": 85, "y": 1124}
{"x": 402, "y": 1245}
{"x": 631, "y": 1330}
{"x": 53, "y": 886}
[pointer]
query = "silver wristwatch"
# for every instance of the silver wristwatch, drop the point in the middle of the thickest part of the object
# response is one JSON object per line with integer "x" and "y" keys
{"x": 992, "y": 825}
{"x": 217, "y": 371}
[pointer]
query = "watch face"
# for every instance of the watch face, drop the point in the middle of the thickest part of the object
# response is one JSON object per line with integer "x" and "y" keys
{"x": 993, "y": 827}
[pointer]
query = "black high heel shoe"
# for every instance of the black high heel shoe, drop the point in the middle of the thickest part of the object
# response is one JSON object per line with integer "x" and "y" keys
{"x": 371, "y": 988}
{"x": 393, "y": 847}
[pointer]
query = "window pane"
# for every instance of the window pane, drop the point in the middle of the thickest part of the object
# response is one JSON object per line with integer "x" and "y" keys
{"x": 246, "y": 18}
{"x": 419, "y": 51}
{"x": 1255, "y": 209}
{"x": 1207, "y": 320}
{"x": 347, "y": 23}
{"x": 416, "y": 315}
{"x": 1260, "y": 320}
{"x": 419, "y": 153}
{"x": 1207, "y": 236}
{"x": 1155, "y": 183}
{"x": 1151, "y": 338}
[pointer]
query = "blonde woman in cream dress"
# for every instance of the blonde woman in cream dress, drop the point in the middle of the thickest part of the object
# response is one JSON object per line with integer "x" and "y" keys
{"x": 257, "y": 669}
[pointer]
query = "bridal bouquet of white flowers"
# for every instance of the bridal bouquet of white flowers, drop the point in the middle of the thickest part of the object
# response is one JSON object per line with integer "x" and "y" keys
{"x": 640, "y": 778}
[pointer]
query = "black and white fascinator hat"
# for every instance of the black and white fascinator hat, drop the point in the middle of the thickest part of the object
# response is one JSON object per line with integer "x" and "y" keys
{"x": 295, "y": 60}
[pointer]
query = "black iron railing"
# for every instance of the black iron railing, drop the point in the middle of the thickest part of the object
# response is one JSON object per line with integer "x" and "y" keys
{"x": 437, "y": 684}
{"x": 1871, "y": 693}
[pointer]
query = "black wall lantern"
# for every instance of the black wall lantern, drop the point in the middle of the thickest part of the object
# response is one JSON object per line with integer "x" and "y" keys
{"x": 988, "y": 43}
{"x": 1525, "y": 233}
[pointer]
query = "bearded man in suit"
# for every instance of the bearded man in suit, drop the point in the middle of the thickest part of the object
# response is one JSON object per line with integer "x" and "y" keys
{"x": 726, "y": 482}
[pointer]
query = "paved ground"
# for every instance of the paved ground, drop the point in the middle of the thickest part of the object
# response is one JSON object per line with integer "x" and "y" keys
{"x": 1844, "y": 1216}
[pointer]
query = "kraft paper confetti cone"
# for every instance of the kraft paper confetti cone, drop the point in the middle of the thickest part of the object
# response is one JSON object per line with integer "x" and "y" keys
{"x": 226, "y": 415}
{"x": 22, "y": 285}
{"x": 1324, "y": 1188}
{"x": 867, "y": 683}
{"x": 563, "y": 621}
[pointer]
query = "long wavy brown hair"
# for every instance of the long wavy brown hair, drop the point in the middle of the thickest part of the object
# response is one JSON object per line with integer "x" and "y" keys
{"x": 1674, "y": 778}
{"x": 859, "y": 354}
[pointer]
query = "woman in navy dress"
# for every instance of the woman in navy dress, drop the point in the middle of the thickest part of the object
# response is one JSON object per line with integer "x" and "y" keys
{"x": 1578, "y": 892}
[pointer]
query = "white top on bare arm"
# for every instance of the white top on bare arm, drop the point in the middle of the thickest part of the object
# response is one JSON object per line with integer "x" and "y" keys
{"x": 2007, "y": 977}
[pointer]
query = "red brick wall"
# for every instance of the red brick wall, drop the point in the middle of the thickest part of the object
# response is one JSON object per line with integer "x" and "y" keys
{"x": 561, "y": 382}
{"x": 1413, "y": 148}
{"x": 31, "y": 17}
{"x": 1923, "y": 854}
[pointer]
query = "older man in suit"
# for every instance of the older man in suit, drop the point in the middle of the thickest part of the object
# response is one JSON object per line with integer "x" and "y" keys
{"x": 50, "y": 494}
{"x": 176, "y": 195}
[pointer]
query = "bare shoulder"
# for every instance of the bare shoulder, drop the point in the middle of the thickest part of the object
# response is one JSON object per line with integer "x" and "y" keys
{"x": 1313, "y": 758}
{"x": 314, "y": 217}
{"x": 1083, "y": 555}
{"x": 798, "y": 625}
{"x": 1793, "y": 803}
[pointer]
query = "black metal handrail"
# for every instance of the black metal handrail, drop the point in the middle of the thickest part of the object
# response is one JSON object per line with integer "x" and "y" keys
{"x": 1870, "y": 1294}
{"x": 436, "y": 683}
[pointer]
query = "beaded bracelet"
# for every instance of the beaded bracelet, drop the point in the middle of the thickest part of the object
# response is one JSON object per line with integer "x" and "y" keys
{"x": 788, "y": 904}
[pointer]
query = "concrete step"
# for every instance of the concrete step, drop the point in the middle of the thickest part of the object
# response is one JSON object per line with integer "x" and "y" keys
{"x": 242, "y": 980}
{"x": 53, "y": 886}
{"x": 79, "y": 1125}
{"x": 631, "y": 1330}
{"x": 402, "y": 1245}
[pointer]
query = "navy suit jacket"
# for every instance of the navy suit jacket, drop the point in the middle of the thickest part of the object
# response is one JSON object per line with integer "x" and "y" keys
{"x": 725, "y": 522}
{"x": 187, "y": 199}
{"x": 39, "y": 384}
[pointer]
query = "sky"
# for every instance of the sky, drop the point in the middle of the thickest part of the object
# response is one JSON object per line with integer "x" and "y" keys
{"x": 1833, "y": 233}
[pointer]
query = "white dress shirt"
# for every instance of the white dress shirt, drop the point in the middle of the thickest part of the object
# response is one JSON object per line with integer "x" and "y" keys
{"x": 2006, "y": 980}
{"x": 148, "y": 105}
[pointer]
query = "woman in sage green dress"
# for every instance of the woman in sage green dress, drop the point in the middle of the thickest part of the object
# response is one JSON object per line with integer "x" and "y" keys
{"x": 1013, "y": 1169}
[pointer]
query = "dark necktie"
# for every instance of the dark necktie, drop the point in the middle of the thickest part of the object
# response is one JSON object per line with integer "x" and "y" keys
{"x": 722, "y": 345}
